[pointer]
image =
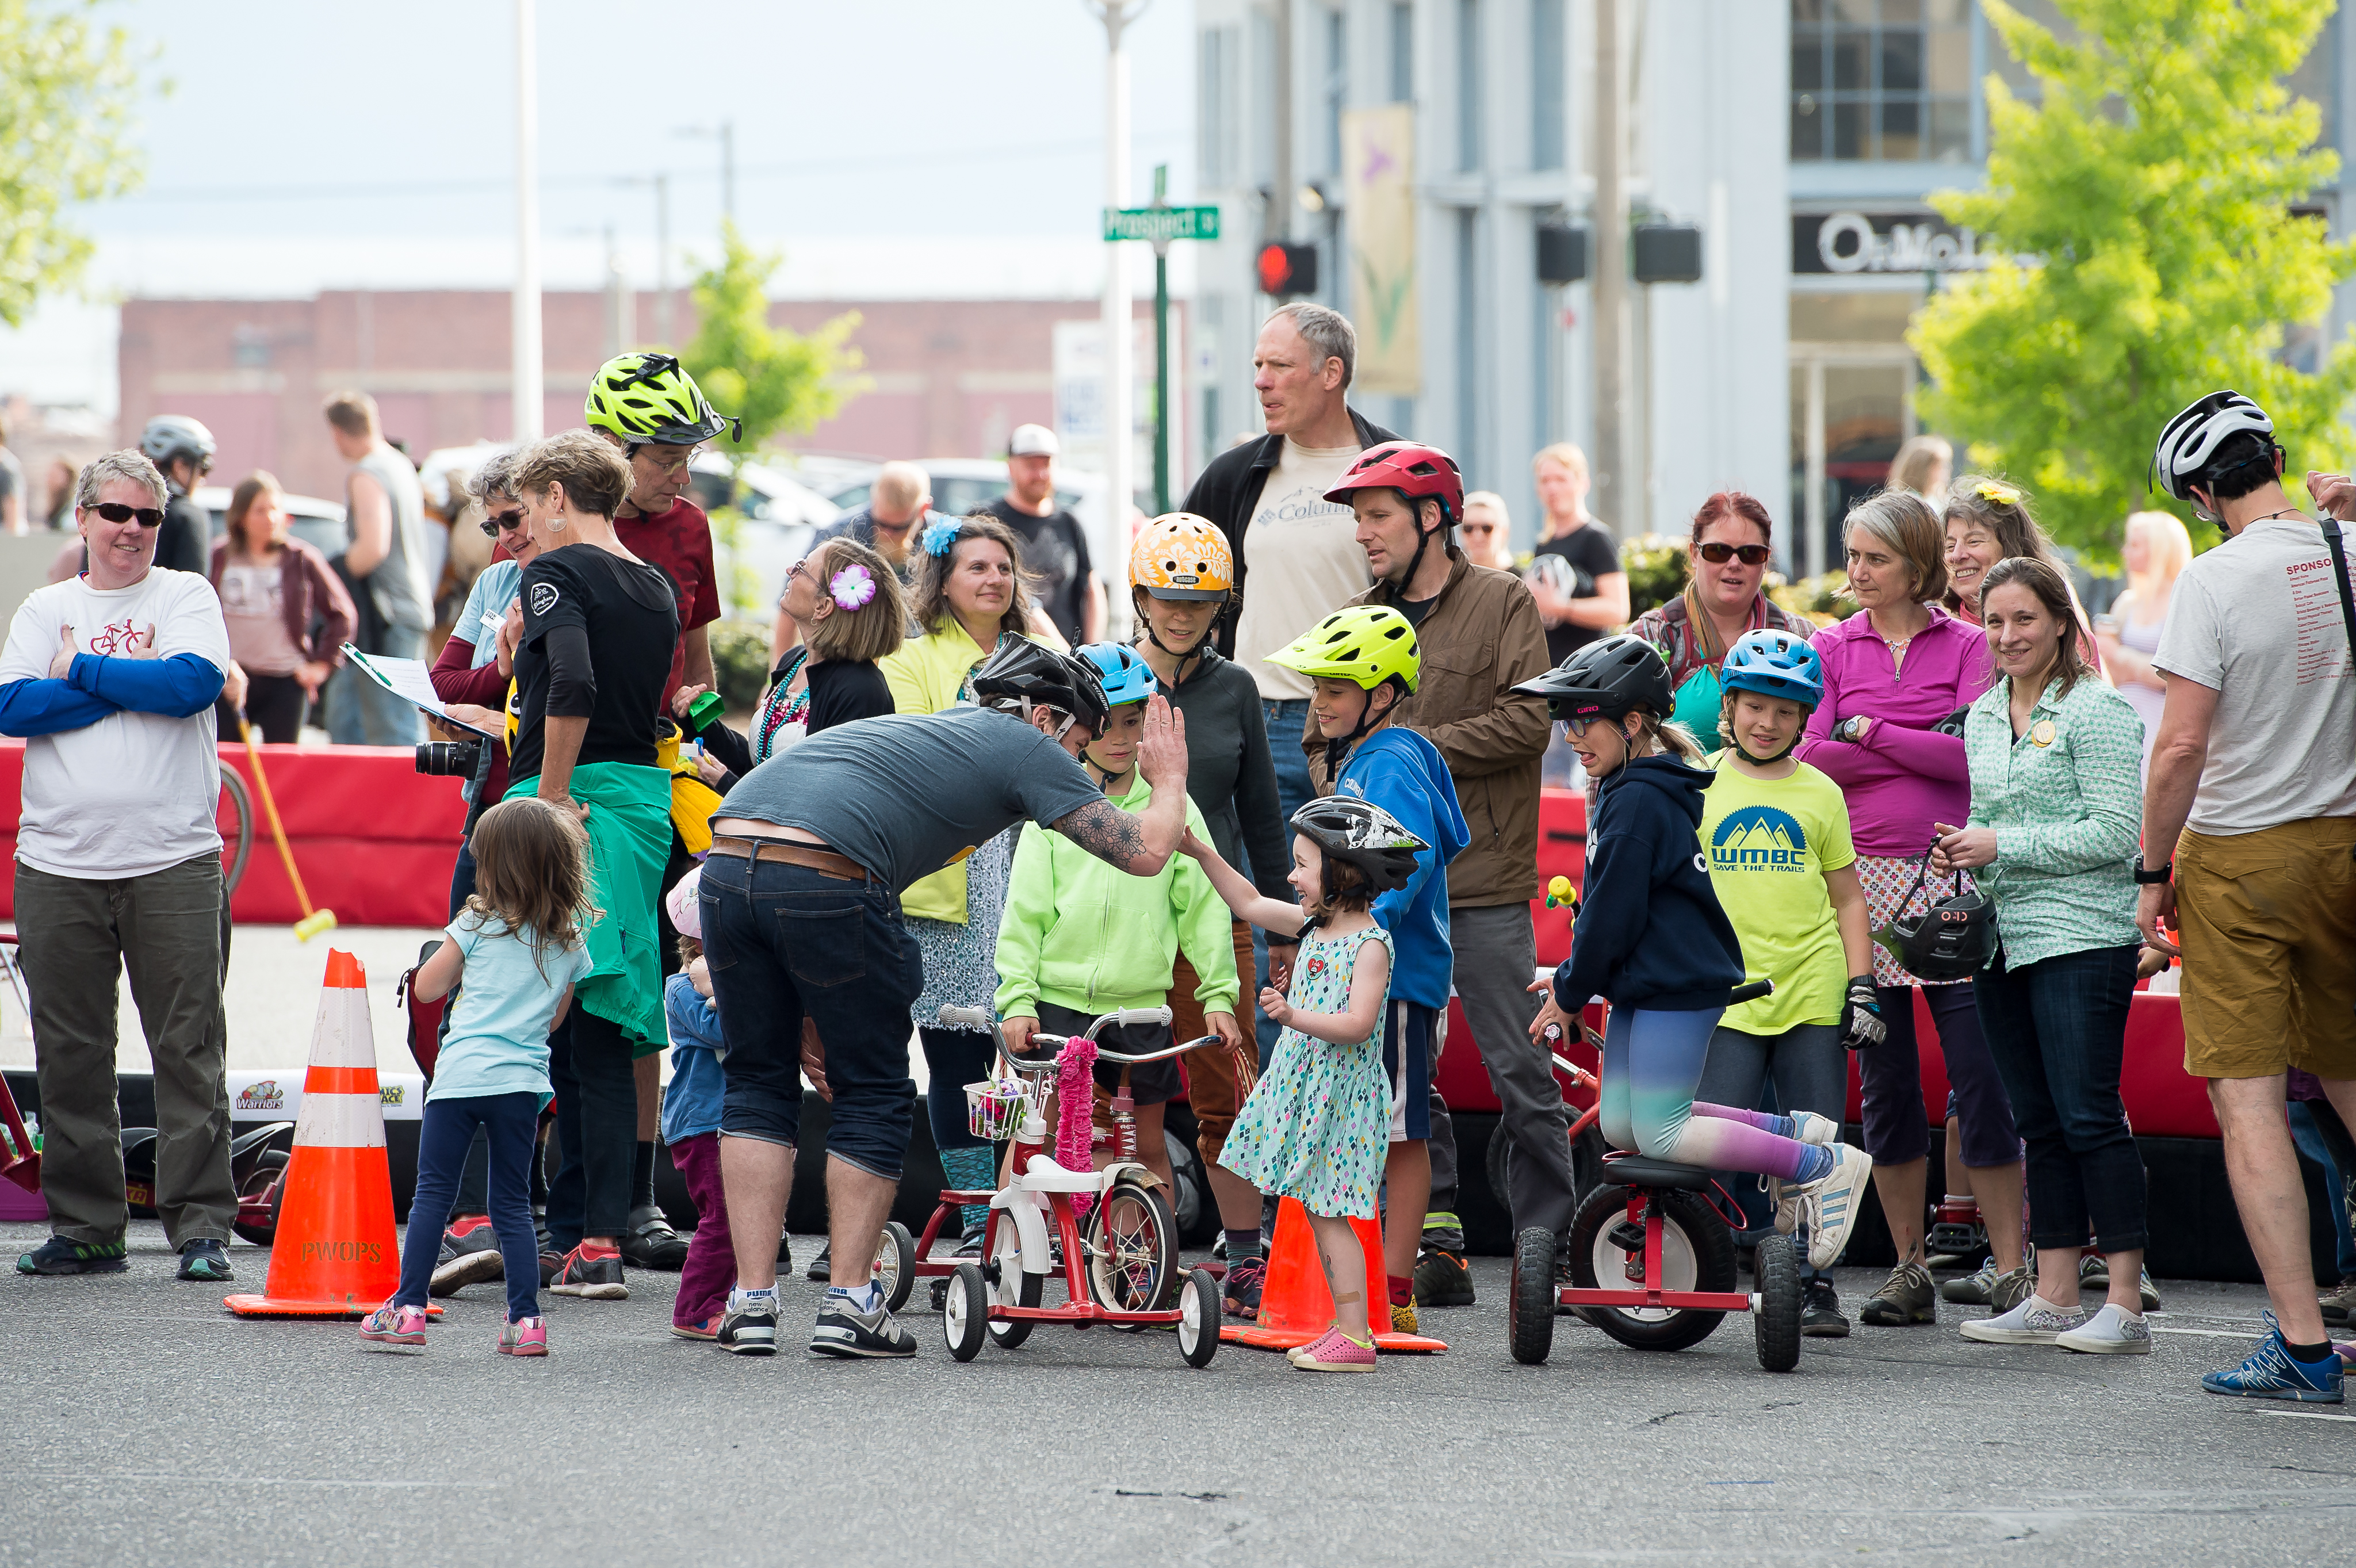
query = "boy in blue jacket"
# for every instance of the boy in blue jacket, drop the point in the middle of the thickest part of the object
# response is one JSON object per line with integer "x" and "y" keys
{"x": 1364, "y": 660}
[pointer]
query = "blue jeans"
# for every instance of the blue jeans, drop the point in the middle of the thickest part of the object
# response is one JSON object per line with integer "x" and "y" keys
{"x": 361, "y": 713}
{"x": 2058, "y": 1029}
{"x": 786, "y": 942}
{"x": 511, "y": 1122}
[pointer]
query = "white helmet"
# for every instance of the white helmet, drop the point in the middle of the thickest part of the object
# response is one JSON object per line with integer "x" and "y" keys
{"x": 2189, "y": 445}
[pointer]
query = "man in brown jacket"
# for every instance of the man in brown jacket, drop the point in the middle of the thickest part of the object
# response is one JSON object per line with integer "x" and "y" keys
{"x": 1478, "y": 633}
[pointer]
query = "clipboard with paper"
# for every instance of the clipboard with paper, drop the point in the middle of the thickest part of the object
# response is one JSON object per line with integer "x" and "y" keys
{"x": 409, "y": 679}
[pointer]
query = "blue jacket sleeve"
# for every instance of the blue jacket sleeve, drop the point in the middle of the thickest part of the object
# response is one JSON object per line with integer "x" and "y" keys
{"x": 179, "y": 687}
{"x": 1396, "y": 791}
{"x": 48, "y": 707}
{"x": 1611, "y": 916}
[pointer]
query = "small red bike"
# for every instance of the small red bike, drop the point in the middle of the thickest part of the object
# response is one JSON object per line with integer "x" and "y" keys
{"x": 1119, "y": 1262}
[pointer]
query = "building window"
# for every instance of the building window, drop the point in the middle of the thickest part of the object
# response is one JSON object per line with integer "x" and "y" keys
{"x": 1263, "y": 81}
{"x": 1469, "y": 97}
{"x": 1546, "y": 55}
{"x": 1402, "y": 51}
{"x": 1881, "y": 79}
{"x": 1215, "y": 81}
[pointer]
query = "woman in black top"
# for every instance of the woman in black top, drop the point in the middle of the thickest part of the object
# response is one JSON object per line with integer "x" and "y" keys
{"x": 852, "y": 611}
{"x": 598, "y": 627}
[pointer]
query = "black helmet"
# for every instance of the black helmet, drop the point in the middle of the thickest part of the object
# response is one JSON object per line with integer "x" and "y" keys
{"x": 172, "y": 436}
{"x": 1020, "y": 672}
{"x": 1953, "y": 938}
{"x": 1363, "y": 834}
{"x": 1606, "y": 679}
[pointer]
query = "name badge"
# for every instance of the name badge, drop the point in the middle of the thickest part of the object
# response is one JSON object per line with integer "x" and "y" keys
{"x": 2041, "y": 733}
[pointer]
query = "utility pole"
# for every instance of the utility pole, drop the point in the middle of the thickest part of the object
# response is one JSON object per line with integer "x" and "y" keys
{"x": 662, "y": 261}
{"x": 728, "y": 169}
{"x": 1610, "y": 459}
{"x": 1279, "y": 217}
{"x": 1118, "y": 369}
{"x": 1160, "y": 351}
{"x": 524, "y": 379}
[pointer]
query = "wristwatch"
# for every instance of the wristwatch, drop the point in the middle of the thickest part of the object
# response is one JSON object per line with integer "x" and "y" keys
{"x": 1848, "y": 730}
{"x": 2166, "y": 873}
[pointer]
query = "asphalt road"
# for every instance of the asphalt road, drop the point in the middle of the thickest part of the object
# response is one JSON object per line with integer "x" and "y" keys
{"x": 139, "y": 1424}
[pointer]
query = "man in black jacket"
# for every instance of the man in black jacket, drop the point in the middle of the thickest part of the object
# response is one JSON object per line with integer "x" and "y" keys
{"x": 182, "y": 450}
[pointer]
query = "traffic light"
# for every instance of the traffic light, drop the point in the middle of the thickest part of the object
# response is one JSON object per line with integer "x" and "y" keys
{"x": 1287, "y": 269}
{"x": 1667, "y": 253}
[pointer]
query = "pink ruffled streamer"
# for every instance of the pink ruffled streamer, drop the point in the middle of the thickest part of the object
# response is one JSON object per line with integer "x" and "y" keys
{"x": 1074, "y": 1113}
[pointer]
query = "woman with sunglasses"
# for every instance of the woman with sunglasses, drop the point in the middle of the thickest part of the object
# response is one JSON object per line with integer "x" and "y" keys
{"x": 272, "y": 587}
{"x": 1726, "y": 561}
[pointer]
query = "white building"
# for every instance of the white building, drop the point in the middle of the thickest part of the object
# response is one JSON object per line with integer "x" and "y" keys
{"x": 1803, "y": 137}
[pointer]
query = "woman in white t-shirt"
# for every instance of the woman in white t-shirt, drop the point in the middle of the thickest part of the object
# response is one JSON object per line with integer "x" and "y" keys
{"x": 288, "y": 613}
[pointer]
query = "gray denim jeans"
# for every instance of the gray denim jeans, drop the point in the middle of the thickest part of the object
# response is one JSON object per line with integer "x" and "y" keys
{"x": 76, "y": 936}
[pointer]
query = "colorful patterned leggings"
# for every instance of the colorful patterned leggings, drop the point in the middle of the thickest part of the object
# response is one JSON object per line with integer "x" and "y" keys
{"x": 1652, "y": 1062}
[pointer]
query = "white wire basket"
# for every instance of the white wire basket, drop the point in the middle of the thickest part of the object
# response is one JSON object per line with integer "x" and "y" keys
{"x": 995, "y": 1108}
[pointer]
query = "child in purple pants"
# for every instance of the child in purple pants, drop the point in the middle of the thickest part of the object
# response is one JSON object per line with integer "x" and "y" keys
{"x": 690, "y": 1125}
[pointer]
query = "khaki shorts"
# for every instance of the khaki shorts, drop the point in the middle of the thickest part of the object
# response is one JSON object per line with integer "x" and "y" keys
{"x": 2268, "y": 928}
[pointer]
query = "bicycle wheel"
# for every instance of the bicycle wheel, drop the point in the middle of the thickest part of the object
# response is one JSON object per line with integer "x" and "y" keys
{"x": 1132, "y": 1241}
{"x": 236, "y": 823}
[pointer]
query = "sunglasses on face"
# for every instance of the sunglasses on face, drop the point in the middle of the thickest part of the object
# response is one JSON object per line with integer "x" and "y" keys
{"x": 115, "y": 512}
{"x": 498, "y": 522}
{"x": 1718, "y": 555}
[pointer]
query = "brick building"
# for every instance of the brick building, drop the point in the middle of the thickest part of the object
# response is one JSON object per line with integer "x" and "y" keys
{"x": 944, "y": 377}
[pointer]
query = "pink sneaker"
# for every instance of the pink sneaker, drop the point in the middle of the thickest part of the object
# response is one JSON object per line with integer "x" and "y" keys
{"x": 708, "y": 1329}
{"x": 1336, "y": 1352}
{"x": 524, "y": 1337}
{"x": 390, "y": 1324}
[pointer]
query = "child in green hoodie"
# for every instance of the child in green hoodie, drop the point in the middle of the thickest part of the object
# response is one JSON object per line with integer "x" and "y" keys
{"x": 1080, "y": 938}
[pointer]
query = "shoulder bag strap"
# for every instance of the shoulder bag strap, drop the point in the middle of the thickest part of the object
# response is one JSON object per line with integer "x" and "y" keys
{"x": 2334, "y": 542}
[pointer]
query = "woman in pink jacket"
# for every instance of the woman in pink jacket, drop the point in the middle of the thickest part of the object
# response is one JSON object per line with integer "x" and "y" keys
{"x": 1893, "y": 672}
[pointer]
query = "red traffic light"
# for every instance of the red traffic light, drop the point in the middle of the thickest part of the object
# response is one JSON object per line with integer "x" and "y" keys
{"x": 1285, "y": 270}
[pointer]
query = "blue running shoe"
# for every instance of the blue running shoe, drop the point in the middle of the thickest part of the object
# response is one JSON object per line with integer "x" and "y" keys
{"x": 2270, "y": 1373}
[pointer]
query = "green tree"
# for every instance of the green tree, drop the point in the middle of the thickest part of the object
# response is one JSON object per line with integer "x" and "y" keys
{"x": 776, "y": 380}
{"x": 2148, "y": 252}
{"x": 67, "y": 89}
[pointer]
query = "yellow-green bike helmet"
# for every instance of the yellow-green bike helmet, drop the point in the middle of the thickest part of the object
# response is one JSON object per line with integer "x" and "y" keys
{"x": 1365, "y": 643}
{"x": 647, "y": 398}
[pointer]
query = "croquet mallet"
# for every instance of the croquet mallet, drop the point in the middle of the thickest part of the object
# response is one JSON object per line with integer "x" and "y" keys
{"x": 314, "y": 922}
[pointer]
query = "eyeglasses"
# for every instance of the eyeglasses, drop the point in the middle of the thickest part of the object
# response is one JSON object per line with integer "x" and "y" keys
{"x": 498, "y": 522}
{"x": 670, "y": 468}
{"x": 1718, "y": 555}
{"x": 115, "y": 512}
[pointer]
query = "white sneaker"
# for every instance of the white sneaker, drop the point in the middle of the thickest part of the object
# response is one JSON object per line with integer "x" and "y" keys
{"x": 2110, "y": 1332}
{"x": 1811, "y": 1128}
{"x": 1833, "y": 1203}
{"x": 1783, "y": 1198}
{"x": 2035, "y": 1321}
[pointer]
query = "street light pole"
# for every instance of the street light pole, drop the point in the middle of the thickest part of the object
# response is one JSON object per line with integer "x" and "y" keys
{"x": 524, "y": 378}
{"x": 1160, "y": 351}
{"x": 1119, "y": 419}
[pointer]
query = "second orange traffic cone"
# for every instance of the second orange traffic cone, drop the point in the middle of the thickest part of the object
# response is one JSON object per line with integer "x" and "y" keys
{"x": 1296, "y": 1307}
{"x": 335, "y": 1256}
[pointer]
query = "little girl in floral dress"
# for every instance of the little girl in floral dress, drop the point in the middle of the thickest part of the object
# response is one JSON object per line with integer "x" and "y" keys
{"x": 1317, "y": 1126}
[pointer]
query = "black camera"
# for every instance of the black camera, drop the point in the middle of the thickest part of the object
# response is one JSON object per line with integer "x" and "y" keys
{"x": 448, "y": 759}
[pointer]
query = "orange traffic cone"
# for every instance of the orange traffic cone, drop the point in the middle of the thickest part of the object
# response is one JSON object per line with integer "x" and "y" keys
{"x": 335, "y": 1256}
{"x": 1295, "y": 1306}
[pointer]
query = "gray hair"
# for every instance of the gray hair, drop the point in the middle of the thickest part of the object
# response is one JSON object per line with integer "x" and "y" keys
{"x": 496, "y": 476}
{"x": 129, "y": 464}
{"x": 1905, "y": 522}
{"x": 1326, "y": 330}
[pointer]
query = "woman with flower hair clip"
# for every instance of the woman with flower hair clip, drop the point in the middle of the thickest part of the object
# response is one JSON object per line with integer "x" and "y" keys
{"x": 1987, "y": 521}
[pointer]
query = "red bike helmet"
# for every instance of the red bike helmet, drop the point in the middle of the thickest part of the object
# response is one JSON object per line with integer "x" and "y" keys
{"x": 1416, "y": 471}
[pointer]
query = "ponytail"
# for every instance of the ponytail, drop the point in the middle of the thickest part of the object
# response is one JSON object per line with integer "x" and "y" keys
{"x": 1667, "y": 735}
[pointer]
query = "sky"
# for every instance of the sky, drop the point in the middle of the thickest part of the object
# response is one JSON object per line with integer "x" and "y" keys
{"x": 911, "y": 147}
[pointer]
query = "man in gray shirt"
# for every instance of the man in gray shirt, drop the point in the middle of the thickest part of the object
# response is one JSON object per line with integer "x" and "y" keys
{"x": 800, "y": 909}
{"x": 385, "y": 567}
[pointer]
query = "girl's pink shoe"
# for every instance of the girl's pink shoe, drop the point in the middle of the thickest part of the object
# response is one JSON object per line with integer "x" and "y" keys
{"x": 1336, "y": 1352}
{"x": 390, "y": 1324}
{"x": 524, "y": 1337}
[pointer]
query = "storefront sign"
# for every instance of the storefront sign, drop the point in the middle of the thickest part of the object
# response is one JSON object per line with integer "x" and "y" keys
{"x": 1884, "y": 243}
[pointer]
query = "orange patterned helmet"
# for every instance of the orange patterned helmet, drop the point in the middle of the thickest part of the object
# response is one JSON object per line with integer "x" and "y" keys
{"x": 1181, "y": 556}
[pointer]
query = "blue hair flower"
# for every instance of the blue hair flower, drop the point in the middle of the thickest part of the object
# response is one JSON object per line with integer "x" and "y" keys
{"x": 940, "y": 538}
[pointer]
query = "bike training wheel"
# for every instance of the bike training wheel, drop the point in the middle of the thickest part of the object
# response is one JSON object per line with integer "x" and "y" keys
{"x": 1776, "y": 1318}
{"x": 895, "y": 1264}
{"x": 967, "y": 1312}
{"x": 1133, "y": 1243}
{"x": 1198, "y": 1318}
{"x": 1697, "y": 1254}
{"x": 1012, "y": 1287}
{"x": 235, "y": 820}
{"x": 1529, "y": 1306}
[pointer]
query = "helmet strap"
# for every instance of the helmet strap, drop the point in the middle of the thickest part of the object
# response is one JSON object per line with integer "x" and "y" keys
{"x": 1179, "y": 676}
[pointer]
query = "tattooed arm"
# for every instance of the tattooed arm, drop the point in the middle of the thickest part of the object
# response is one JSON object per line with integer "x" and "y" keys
{"x": 1140, "y": 844}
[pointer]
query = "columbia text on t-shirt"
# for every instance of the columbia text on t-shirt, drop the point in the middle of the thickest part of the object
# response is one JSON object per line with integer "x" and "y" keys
{"x": 1302, "y": 554}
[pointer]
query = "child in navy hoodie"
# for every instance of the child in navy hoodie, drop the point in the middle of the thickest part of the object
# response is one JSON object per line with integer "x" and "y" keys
{"x": 1364, "y": 660}
{"x": 1651, "y": 941}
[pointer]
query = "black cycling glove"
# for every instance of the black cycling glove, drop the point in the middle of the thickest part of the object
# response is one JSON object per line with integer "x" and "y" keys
{"x": 1861, "y": 1024}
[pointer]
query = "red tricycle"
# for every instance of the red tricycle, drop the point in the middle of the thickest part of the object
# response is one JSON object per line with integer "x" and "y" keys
{"x": 1662, "y": 1233}
{"x": 1119, "y": 1263}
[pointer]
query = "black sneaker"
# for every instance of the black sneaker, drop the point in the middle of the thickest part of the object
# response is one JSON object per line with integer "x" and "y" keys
{"x": 59, "y": 1256}
{"x": 470, "y": 1255}
{"x": 821, "y": 1267}
{"x": 784, "y": 1255}
{"x": 843, "y": 1330}
{"x": 749, "y": 1330}
{"x": 651, "y": 1243}
{"x": 1820, "y": 1313}
{"x": 205, "y": 1259}
{"x": 1442, "y": 1280}
{"x": 598, "y": 1278}
{"x": 552, "y": 1263}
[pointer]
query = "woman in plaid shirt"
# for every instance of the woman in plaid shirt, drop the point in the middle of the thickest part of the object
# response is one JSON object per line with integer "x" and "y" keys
{"x": 2056, "y": 802}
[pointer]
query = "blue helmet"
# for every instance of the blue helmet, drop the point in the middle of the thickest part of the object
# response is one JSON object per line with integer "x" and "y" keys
{"x": 1774, "y": 664}
{"x": 1126, "y": 678}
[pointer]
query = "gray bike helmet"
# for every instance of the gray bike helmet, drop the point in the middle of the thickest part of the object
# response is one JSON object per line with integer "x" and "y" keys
{"x": 1361, "y": 833}
{"x": 170, "y": 437}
